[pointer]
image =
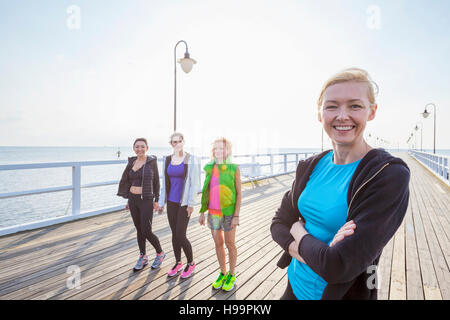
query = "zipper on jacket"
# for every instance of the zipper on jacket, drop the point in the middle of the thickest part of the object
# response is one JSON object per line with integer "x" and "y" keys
{"x": 364, "y": 185}
{"x": 185, "y": 178}
{"x": 142, "y": 182}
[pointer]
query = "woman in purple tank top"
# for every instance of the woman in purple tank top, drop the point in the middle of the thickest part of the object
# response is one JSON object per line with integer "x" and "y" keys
{"x": 175, "y": 186}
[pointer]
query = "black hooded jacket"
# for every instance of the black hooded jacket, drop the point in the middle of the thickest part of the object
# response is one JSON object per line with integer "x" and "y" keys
{"x": 150, "y": 179}
{"x": 377, "y": 198}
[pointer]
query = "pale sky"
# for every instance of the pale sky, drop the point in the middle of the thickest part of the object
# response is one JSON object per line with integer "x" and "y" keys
{"x": 104, "y": 76}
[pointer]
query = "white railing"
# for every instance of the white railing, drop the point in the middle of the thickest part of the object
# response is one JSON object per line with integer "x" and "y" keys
{"x": 76, "y": 185}
{"x": 436, "y": 163}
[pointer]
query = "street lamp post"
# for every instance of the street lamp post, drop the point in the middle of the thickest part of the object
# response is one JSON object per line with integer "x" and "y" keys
{"x": 421, "y": 133}
{"x": 425, "y": 114}
{"x": 186, "y": 64}
{"x": 409, "y": 139}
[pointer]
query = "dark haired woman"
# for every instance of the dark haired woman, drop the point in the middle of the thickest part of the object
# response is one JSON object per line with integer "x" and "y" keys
{"x": 140, "y": 185}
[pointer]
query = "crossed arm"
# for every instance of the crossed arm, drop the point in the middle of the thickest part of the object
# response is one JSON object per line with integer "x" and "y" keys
{"x": 298, "y": 232}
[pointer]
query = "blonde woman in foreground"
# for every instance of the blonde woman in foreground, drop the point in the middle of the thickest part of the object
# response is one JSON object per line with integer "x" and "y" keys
{"x": 345, "y": 204}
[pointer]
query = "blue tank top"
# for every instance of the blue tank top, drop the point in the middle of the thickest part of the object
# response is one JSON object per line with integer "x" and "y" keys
{"x": 323, "y": 204}
{"x": 176, "y": 176}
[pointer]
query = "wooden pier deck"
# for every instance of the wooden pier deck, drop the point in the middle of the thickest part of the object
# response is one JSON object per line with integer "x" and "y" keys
{"x": 38, "y": 264}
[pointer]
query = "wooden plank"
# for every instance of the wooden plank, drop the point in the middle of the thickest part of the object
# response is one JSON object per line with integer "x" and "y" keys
{"x": 256, "y": 274}
{"x": 208, "y": 276}
{"x": 207, "y": 258}
{"x": 441, "y": 190}
{"x": 64, "y": 246}
{"x": 429, "y": 280}
{"x": 131, "y": 237}
{"x": 101, "y": 287}
{"x": 203, "y": 280}
{"x": 51, "y": 234}
{"x": 440, "y": 224}
{"x": 439, "y": 263}
{"x": 121, "y": 277}
{"x": 131, "y": 245}
{"x": 210, "y": 269}
{"x": 414, "y": 286}
{"x": 8, "y": 241}
{"x": 93, "y": 254}
{"x": 246, "y": 258}
{"x": 248, "y": 269}
{"x": 398, "y": 278}
{"x": 277, "y": 291}
{"x": 123, "y": 259}
{"x": 268, "y": 285}
{"x": 384, "y": 270}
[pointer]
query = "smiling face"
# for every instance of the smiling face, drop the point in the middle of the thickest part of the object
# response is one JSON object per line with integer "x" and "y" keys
{"x": 220, "y": 151}
{"x": 345, "y": 111}
{"x": 140, "y": 148}
{"x": 177, "y": 143}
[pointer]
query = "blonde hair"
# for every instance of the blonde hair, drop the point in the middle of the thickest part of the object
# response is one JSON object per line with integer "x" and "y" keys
{"x": 351, "y": 74}
{"x": 175, "y": 134}
{"x": 227, "y": 144}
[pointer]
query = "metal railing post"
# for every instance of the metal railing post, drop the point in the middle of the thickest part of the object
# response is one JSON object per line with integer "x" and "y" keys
{"x": 285, "y": 163}
{"x": 76, "y": 191}
{"x": 446, "y": 177}
{"x": 271, "y": 164}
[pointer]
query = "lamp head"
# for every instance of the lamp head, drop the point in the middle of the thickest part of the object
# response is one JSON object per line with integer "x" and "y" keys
{"x": 187, "y": 63}
{"x": 425, "y": 114}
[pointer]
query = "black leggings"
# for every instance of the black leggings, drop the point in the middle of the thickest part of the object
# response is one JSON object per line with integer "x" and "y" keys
{"x": 178, "y": 221}
{"x": 142, "y": 214}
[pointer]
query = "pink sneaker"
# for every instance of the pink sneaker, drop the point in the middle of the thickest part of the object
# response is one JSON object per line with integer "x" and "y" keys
{"x": 176, "y": 268}
{"x": 188, "y": 271}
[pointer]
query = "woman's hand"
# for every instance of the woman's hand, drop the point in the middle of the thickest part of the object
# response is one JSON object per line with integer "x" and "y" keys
{"x": 202, "y": 219}
{"x": 298, "y": 231}
{"x": 156, "y": 206}
{"x": 293, "y": 251}
{"x": 235, "y": 221}
{"x": 127, "y": 207}
{"x": 345, "y": 231}
{"x": 189, "y": 211}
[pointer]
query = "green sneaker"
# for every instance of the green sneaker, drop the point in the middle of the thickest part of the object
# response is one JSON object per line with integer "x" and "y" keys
{"x": 229, "y": 282}
{"x": 219, "y": 282}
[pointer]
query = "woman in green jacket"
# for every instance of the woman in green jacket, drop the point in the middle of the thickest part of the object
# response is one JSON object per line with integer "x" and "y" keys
{"x": 221, "y": 196}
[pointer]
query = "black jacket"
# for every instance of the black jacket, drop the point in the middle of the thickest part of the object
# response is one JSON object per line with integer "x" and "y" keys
{"x": 377, "y": 198}
{"x": 150, "y": 179}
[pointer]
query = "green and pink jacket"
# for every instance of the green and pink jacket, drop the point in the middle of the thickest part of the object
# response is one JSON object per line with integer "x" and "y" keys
{"x": 227, "y": 189}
